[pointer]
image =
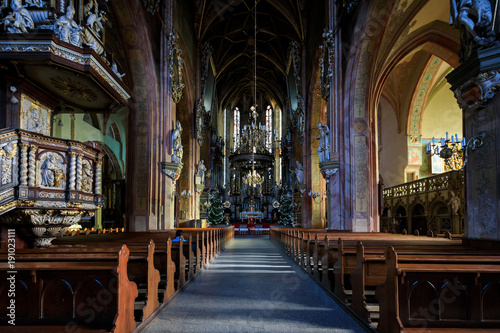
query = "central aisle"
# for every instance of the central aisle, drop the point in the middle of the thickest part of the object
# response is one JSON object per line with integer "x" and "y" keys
{"x": 253, "y": 287}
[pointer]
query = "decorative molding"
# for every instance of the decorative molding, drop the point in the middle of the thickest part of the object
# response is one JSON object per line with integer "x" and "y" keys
{"x": 326, "y": 63}
{"x": 51, "y": 47}
{"x": 51, "y": 195}
{"x": 420, "y": 95}
{"x": 172, "y": 170}
{"x": 7, "y": 194}
{"x": 175, "y": 66}
{"x": 329, "y": 168}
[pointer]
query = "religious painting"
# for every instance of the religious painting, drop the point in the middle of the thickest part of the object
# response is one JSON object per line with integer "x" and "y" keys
{"x": 415, "y": 155}
{"x": 35, "y": 117}
{"x": 437, "y": 165}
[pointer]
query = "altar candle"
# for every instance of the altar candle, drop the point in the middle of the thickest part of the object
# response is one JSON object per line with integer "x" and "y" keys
{"x": 456, "y": 137}
{"x": 429, "y": 147}
{"x": 452, "y": 139}
{"x": 463, "y": 142}
{"x": 442, "y": 142}
{"x": 446, "y": 136}
{"x": 433, "y": 141}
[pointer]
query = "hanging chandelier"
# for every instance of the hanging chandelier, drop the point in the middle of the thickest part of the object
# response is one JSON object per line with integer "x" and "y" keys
{"x": 253, "y": 178}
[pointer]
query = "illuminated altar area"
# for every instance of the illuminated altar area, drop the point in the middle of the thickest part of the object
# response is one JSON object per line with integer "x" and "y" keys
{"x": 252, "y": 169}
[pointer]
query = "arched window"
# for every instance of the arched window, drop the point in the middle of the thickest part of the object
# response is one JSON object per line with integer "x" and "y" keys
{"x": 269, "y": 128}
{"x": 236, "y": 129}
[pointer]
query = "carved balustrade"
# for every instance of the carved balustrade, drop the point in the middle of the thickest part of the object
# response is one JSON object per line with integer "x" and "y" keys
{"x": 47, "y": 183}
{"x": 433, "y": 194}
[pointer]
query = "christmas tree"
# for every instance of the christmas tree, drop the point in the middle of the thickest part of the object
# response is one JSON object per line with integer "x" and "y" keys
{"x": 286, "y": 208}
{"x": 216, "y": 211}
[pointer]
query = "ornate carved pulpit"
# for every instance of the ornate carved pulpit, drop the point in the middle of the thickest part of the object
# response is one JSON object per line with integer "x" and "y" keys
{"x": 47, "y": 184}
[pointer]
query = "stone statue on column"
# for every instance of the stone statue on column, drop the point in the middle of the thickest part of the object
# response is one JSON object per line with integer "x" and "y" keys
{"x": 324, "y": 142}
{"x": 201, "y": 171}
{"x": 177, "y": 150}
{"x": 299, "y": 172}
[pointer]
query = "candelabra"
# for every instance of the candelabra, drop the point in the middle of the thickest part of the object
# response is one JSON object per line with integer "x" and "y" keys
{"x": 315, "y": 195}
{"x": 455, "y": 152}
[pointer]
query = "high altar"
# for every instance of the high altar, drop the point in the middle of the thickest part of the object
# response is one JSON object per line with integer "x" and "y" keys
{"x": 250, "y": 215}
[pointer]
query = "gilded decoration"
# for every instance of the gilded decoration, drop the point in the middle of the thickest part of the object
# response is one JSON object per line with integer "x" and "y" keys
{"x": 35, "y": 117}
{"x": 73, "y": 89}
{"x": 175, "y": 66}
{"x": 7, "y": 153}
{"x": 87, "y": 176}
{"x": 326, "y": 63}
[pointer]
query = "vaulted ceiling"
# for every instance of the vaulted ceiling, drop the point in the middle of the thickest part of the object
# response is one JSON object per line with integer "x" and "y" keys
{"x": 229, "y": 27}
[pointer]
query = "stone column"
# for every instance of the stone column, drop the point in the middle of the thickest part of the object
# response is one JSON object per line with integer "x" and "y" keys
{"x": 475, "y": 84}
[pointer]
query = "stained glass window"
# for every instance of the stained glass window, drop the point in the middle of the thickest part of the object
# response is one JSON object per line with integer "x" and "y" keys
{"x": 269, "y": 128}
{"x": 236, "y": 129}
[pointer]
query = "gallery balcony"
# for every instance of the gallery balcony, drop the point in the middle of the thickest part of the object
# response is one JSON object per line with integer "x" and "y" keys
{"x": 433, "y": 204}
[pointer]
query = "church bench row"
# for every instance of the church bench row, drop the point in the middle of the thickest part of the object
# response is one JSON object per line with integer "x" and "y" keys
{"x": 435, "y": 296}
{"x": 76, "y": 264}
{"x": 94, "y": 294}
{"x": 371, "y": 270}
{"x": 331, "y": 261}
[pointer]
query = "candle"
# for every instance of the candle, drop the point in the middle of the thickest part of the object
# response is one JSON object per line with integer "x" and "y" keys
{"x": 442, "y": 142}
{"x": 452, "y": 139}
{"x": 433, "y": 141}
{"x": 446, "y": 136}
{"x": 429, "y": 147}
{"x": 456, "y": 137}
{"x": 463, "y": 142}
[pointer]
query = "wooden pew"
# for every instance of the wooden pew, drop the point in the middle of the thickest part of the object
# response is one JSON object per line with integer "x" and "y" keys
{"x": 371, "y": 269}
{"x": 438, "y": 296}
{"x": 50, "y": 292}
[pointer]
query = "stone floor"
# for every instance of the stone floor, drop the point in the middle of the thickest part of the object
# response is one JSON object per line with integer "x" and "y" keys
{"x": 253, "y": 287}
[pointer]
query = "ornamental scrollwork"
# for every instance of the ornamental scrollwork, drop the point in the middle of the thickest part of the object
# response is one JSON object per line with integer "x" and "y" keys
{"x": 478, "y": 90}
{"x": 175, "y": 66}
{"x": 326, "y": 62}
